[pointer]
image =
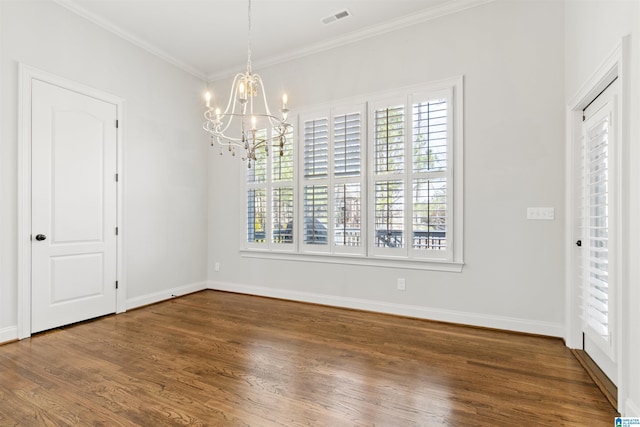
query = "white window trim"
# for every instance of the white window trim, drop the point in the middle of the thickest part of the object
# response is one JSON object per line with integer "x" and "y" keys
{"x": 453, "y": 262}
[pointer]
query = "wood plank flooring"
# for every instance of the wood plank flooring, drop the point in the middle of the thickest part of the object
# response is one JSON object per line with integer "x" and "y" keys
{"x": 223, "y": 359}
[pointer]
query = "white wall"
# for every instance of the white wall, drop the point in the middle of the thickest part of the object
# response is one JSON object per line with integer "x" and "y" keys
{"x": 511, "y": 56}
{"x": 165, "y": 162}
{"x": 593, "y": 30}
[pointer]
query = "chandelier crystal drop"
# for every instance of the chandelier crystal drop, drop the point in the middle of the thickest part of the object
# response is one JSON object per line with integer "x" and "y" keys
{"x": 247, "y": 104}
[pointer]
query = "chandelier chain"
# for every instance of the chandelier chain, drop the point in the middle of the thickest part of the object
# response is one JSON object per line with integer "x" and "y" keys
{"x": 249, "y": 39}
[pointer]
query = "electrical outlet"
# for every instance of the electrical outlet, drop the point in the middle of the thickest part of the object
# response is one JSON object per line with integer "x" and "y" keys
{"x": 216, "y": 267}
{"x": 402, "y": 285}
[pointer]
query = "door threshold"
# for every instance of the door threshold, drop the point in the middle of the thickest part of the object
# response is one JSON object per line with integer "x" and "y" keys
{"x": 606, "y": 386}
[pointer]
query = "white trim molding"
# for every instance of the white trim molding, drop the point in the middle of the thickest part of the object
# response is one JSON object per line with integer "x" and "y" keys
{"x": 125, "y": 35}
{"x": 447, "y": 8}
{"x": 166, "y": 295}
{"x": 418, "y": 312}
{"x": 8, "y": 334}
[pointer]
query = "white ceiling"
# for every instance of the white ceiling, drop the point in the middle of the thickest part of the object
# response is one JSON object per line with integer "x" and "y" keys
{"x": 208, "y": 38}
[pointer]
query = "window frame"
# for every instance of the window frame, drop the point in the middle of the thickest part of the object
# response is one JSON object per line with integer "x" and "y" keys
{"x": 449, "y": 259}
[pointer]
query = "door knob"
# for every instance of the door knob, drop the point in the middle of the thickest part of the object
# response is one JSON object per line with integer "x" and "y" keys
{"x": 40, "y": 237}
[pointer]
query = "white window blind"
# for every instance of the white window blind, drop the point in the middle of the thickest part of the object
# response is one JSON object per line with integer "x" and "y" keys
{"x": 429, "y": 174}
{"x": 430, "y": 136}
{"x": 412, "y": 206}
{"x": 597, "y": 228}
{"x": 347, "y": 215}
{"x": 346, "y": 154}
{"x": 315, "y": 213}
{"x": 257, "y": 198}
{"x": 282, "y": 217}
{"x": 347, "y": 181}
{"x": 389, "y": 214}
{"x": 389, "y": 166}
{"x": 282, "y": 164}
{"x": 389, "y": 139}
{"x": 316, "y": 146}
{"x": 429, "y": 213}
{"x": 270, "y": 197}
{"x": 256, "y": 215}
{"x": 316, "y": 204}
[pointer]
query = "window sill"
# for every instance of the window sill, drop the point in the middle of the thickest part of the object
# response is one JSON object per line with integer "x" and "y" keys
{"x": 373, "y": 261}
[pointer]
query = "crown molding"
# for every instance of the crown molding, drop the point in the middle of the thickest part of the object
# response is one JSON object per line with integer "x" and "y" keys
{"x": 427, "y": 15}
{"x": 445, "y": 9}
{"x": 82, "y": 12}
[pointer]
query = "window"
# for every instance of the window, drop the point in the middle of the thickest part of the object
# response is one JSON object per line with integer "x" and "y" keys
{"x": 375, "y": 181}
{"x": 333, "y": 180}
{"x": 270, "y": 199}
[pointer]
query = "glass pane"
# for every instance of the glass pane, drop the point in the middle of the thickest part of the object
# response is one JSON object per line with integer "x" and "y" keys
{"x": 430, "y": 213}
{"x": 315, "y": 214}
{"x": 347, "y": 145}
{"x": 389, "y": 204}
{"x": 256, "y": 215}
{"x": 430, "y": 136}
{"x": 282, "y": 215}
{"x": 347, "y": 215}
{"x": 316, "y": 146}
{"x": 389, "y": 140}
{"x": 283, "y": 159}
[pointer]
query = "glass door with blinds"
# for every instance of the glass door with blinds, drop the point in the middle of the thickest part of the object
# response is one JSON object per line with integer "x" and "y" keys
{"x": 597, "y": 245}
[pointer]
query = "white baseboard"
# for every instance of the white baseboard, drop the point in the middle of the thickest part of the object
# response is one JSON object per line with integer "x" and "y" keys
{"x": 165, "y": 295}
{"x": 631, "y": 409}
{"x": 8, "y": 334}
{"x": 473, "y": 319}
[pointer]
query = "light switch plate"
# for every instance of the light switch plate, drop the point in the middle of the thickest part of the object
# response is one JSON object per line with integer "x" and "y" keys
{"x": 543, "y": 214}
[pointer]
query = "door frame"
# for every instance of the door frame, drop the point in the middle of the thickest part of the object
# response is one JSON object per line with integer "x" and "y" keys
{"x": 26, "y": 74}
{"x": 616, "y": 65}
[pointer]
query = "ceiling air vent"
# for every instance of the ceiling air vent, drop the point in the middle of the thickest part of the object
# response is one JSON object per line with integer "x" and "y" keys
{"x": 336, "y": 17}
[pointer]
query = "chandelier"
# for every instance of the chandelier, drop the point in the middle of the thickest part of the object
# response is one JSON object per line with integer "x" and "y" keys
{"x": 248, "y": 105}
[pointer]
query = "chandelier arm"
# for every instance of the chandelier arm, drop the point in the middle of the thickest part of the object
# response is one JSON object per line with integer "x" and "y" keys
{"x": 273, "y": 120}
{"x": 231, "y": 105}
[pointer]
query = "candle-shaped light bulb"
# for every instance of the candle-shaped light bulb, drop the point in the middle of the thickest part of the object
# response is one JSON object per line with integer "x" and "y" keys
{"x": 207, "y": 97}
{"x": 218, "y": 113}
{"x": 253, "y": 122}
{"x": 284, "y": 101}
{"x": 243, "y": 93}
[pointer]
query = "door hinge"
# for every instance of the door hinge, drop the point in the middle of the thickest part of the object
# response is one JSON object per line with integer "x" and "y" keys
{"x": 117, "y": 124}
{"x": 116, "y": 177}
{"x": 116, "y": 231}
{"x": 116, "y": 284}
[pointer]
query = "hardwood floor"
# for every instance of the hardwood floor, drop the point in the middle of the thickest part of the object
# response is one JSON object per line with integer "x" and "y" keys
{"x": 222, "y": 359}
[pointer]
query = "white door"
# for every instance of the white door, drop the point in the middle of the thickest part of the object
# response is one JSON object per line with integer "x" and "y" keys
{"x": 598, "y": 254}
{"x": 74, "y": 209}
